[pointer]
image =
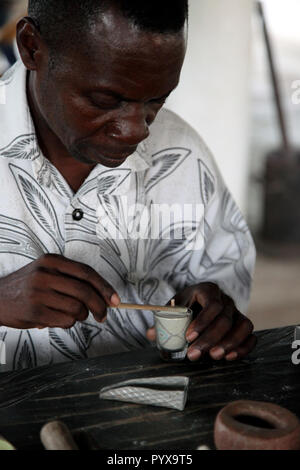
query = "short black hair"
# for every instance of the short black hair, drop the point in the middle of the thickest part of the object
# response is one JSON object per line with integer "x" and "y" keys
{"x": 64, "y": 19}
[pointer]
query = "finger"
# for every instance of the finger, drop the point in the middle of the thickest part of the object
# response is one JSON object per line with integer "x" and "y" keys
{"x": 151, "y": 334}
{"x": 185, "y": 298}
{"x": 202, "y": 294}
{"x": 242, "y": 329}
{"x": 50, "y": 318}
{"x": 69, "y": 293}
{"x": 210, "y": 337}
{"x": 221, "y": 305}
{"x": 242, "y": 350}
{"x": 65, "y": 304}
{"x": 203, "y": 319}
{"x": 24, "y": 325}
{"x": 84, "y": 273}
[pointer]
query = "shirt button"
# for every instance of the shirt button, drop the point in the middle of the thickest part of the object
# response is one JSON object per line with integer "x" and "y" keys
{"x": 77, "y": 214}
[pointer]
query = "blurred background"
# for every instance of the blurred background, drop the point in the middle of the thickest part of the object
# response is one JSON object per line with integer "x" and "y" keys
{"x": 240, "y": 90}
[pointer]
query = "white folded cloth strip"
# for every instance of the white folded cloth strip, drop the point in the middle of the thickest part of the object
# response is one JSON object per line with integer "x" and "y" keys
{"x": 169, "y": 392}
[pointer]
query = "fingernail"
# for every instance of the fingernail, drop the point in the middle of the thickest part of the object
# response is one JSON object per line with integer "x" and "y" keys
{"x": 192, "y": 336}
{"x": 115, "y": 299}
{"x": 194, "y": 354}
{"x": 217, "y": 353}
{"x": 231, "y": 356}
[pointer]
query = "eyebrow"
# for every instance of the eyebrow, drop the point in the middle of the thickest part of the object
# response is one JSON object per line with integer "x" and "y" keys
{"x": 119, "y": 97}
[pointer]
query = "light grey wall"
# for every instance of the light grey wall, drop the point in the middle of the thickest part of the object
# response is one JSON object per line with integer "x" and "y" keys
{"x": 214, "y": 92}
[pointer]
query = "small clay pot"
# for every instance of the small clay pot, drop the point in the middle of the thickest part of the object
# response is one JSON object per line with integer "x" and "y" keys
{"x": 254, "y": 425}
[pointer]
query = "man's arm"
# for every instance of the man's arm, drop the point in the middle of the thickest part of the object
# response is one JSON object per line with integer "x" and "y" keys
{"x": 53, "y": 291}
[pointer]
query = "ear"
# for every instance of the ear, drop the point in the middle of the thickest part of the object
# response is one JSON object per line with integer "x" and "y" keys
{"x": 29, "y": 42}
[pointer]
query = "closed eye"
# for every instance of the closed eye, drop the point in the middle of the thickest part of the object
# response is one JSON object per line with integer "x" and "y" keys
{"x": 106, "y": 103}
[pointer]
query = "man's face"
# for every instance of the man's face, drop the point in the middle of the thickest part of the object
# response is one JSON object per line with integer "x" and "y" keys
{"x": 102, "y": 98}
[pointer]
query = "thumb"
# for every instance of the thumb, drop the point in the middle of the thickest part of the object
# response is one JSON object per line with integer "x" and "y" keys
{"x": 182, "y": 298}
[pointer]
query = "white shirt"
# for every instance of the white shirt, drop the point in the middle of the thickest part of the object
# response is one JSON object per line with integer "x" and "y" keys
{"x": 173, "y": 166}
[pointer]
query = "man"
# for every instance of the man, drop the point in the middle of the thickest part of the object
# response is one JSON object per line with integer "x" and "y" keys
{"x": 84, "y": 151}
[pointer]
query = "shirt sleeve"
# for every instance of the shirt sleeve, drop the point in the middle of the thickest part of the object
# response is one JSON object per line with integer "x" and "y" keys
{"x": 228, "y": 255}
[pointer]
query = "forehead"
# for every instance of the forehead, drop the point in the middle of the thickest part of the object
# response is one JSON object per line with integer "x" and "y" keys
{"x": 116, "y": 53}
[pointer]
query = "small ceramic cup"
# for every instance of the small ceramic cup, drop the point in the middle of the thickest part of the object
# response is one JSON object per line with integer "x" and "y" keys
{"x": 170, "y": 330}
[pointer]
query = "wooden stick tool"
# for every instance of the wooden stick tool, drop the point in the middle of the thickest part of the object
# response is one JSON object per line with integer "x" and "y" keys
{"x": 155, "y": 308}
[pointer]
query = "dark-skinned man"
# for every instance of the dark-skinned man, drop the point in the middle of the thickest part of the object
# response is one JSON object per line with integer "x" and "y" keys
{"x": 86, "y": 153}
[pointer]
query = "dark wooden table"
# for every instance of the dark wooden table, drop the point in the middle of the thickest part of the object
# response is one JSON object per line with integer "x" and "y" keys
{"x": 69, "y": 392}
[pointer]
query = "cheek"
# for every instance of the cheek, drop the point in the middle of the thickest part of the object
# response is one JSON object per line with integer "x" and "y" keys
{"x": 81, "y": 120}
{"x": 68, "y": 118}
{"x": 56, "y": 110}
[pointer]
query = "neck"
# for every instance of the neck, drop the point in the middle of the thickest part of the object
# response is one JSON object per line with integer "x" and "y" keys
{"x": 73, "y": 171}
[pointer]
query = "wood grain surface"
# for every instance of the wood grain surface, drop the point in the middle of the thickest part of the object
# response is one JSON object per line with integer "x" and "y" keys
{"x": 70, "y": 392}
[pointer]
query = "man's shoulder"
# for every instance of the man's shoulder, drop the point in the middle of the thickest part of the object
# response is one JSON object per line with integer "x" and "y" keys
{"x": 171, "y": 131}
{"x": 169, "y": 121}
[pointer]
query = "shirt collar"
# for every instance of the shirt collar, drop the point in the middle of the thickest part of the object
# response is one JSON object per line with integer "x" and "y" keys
{"x": 18, "y": 136}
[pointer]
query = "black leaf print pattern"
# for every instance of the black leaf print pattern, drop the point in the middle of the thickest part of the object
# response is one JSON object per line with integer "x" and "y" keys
{"x": 24, "y": 356}
{"x": 161, "y": 251}
{"x": 34, "y": 197}
{"x": 112, "y": 206}
{"x": 110, "y": 180}
{"x": 113, "y": 209}
{"x": 234, "y": 223}
{"x": 17, "y": 238}
{"x": 38, "y": 204}
{"x": 110, "y": 252}
{"x": 59, "y": 183}
{"x": 87, "y": 187}
{"x": 58, "y": 342}
{"x": 43, "y": 173}
{"x": 87, "y": 333}
{"x": 207, "y": 182}
{"x": 165, "y": 163}
{"x": 25, "y": 359}
{"x": 105, "y": 184}
{"x": 233, "y": 220}
{"x": 147, "y": 287}
{"x": 22, "y": 147}
{"x": 73, "y": 333}
{"x": 130, "y": 337}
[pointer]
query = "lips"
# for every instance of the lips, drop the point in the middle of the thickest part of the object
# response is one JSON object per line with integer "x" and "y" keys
{"x": 117, "y": 157}
{"x": 111, "y": 162}
{"x": 121, "y": 156}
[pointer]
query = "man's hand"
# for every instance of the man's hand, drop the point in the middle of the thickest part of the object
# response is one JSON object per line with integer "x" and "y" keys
{"x": 53, "y": 292}
{"x": 218, "y": 328}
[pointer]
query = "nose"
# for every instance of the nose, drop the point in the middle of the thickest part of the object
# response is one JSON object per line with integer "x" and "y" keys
{"x": 130, "y": 128}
